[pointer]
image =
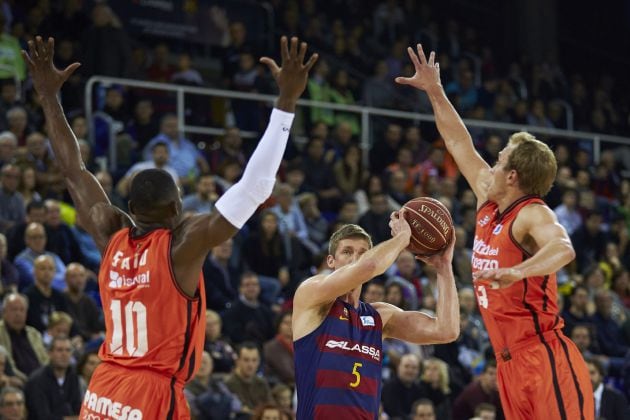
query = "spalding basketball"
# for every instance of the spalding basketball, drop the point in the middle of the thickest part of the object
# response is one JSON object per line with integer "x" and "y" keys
{"x": 431, "y": 226}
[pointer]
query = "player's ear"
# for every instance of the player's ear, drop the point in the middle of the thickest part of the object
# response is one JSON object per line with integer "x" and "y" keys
{"x": 330, "y": 260}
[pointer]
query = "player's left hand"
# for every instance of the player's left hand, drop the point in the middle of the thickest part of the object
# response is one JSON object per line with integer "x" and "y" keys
{"x": 399, "y": 225}
{"x": 504, "y": 276}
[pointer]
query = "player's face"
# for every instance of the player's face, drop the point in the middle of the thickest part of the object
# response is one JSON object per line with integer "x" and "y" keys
{"x": 348, "y": 251}
{"x": 496, "y": 188}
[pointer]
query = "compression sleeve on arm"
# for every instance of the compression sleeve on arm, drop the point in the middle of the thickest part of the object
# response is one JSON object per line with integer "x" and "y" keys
{"x": 239, "y": 202}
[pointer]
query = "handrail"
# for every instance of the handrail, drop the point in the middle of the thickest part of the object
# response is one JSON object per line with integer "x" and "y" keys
{"x": 364, "y": 112}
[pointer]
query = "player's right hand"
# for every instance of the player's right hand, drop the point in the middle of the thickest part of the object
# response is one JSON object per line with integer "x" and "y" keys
{"x": 443, "y": 259}
{"x": 292, "y": 75}
{"x": 47, "y": 79}
{"x": 427, "y": 74}
{"x": 399, "y": 225}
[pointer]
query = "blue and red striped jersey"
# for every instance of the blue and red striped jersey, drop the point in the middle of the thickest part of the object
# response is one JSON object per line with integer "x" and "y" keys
{"x": 338, "y": 365}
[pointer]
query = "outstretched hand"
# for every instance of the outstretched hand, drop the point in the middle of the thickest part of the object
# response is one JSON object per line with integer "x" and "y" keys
{"x": 292, "y": 75}
{"x": 427, "y": 73}
{"x": 47, "y": 79}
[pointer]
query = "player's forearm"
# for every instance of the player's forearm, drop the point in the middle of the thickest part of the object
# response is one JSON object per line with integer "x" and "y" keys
{"x": 447, "y": 306}
{"x": 448, "y": 121}
{"x": 285, "y": 103}
{"x": 382, "y": 256}
{"x": 549, "y": 259}
{"x": 62, "y": 139}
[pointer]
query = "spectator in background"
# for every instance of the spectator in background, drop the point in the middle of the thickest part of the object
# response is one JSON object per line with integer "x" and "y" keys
{"x": 9, "y": 276}
{"x": 318, "y": 89}
{"x": 609, "y": 403}
{"x": 589, "y": 241}
{"x": 577, "y": 311}
{"x": 251, "y": 389}
{"x": 35, "y": 213}
{"x": 50, "y": 181}
{"x": 184, "y": 156}
{"x": 86, "y": 365}
{"x": 160, "y": 153}
{"x": 341, "y": 93}
{"x": 10, "y": 57}
{"x": 378, "y": 89}
{"x": 568, "y": 215}
{"x": 376, "y": 220}
{"x": 106, "y": 46}
{"x": 220, "y": 278}
{"x": 81, "y": 307}
{"x": 60, "y": 323}
{"x": 609, "y": 336}
{"x": 8, "y": 147}
{"x": 60, "y": 239}
{"x": 349, "y": 172}
{"x": 28, "y": 184}
{"x": 115, "y": 105}
{"x": 481, "y": 390}
{"x": 161, "y": 69}
{"x": 87, "y": 246}
{"x": 435, "y": 386}
{"x": 403, "y": 389}
{"x": 291, "y": 223}
{"x": 43, "y": 300}
{"x": 278, "y": 353}
{"x": 485, "y": 411}
{"x": 462, "y": 256}
{"x": 12, "y": 404}
{"x": 18, "y": 124}
{"x": 11, "y": 201}
{"x": 185, "y": 74}
{"x": 230, "y": 146}
{"x": 248, "y": 78}
{"x": 52, "y": 391}
{"x": 247, "y": 318}
{"x": 105, "y": 179}
{"x": 23, "y": 343}
{"x": 219, "y": 348}
{"x": 143, "y": 126}
{"x": 282, "y": 395}
{"x": 202, "y": 201}
{"x": 423, "y": 409}
{"x": 373, "y": 292}
{"x": 35, "y": 239}
{"x": 316, "y": 225}
{"x": 66, "y": 53}
{"x": 319, "y": 176}
{"x": 385, "y": 150}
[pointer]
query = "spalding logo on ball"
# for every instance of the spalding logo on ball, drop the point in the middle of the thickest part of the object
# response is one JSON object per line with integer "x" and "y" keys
{"x": 431, "y": 226}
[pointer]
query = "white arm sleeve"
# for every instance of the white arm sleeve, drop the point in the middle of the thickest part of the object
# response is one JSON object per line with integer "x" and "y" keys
{"x": 239, "y": 202}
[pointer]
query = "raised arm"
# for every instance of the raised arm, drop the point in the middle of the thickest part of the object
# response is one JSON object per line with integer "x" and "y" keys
{"x": 322, "y": 289}
{"x": 96, "y": 213}
{"x": 418, "y": 327}
{"x": 451, "y": 127}
{"x": 196, "y": 236}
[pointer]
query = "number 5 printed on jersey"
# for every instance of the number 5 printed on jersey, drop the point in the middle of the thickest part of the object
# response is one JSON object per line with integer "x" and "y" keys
{"x": 135, "y": 329}
{"x": 357, "y": 375}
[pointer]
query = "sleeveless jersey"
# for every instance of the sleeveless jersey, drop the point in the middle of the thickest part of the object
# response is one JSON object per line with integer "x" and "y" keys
{"x": 338, "y": 365}
{"x": 149, "y": 322}
{"x": 526, "y": 308}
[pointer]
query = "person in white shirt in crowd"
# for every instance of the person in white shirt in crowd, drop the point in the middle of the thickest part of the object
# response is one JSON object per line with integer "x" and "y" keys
{"x": 160, "y": 154}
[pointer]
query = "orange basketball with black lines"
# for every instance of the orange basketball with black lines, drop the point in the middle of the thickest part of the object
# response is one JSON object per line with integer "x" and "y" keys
{"x": 431, "y": 226}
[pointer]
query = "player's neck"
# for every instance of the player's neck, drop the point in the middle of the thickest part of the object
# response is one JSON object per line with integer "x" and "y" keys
{"x": 508, "y": 198}
{"x": 352, "y": 297}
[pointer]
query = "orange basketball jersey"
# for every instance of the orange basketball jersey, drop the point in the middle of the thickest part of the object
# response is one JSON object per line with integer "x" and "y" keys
{"x": 527, "y": 307}
{"x": 150, "y": 322}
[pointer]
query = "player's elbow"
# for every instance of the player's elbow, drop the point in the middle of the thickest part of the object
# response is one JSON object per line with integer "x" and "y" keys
{"x": 568, "y": 251}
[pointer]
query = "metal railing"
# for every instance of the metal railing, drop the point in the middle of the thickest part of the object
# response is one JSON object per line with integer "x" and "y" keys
{"x": 365, "y": 113}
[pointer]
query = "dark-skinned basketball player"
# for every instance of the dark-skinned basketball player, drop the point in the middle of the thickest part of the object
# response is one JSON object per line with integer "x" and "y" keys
{"x": 338, "y": 339}
{"x": 150, "y": 279}
{"x": 519, "y": 245}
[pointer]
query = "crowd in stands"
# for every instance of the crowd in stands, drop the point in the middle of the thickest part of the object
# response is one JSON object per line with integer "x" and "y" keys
{"x": 52, "y": 323}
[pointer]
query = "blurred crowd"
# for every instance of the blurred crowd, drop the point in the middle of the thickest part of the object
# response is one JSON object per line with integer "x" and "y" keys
{"x": 52, "y": 322}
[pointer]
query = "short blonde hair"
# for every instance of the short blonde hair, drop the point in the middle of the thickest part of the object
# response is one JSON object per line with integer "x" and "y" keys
{"x": 59, "y": 317}
{"x": 443, "y": 369}
{"x": 348, "y": 231}
{"x": 534, "y": 162}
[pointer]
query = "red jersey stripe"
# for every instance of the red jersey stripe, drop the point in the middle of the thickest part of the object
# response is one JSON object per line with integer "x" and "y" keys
{"x": 345, "y": 380}
{"x": 327, "y": 412}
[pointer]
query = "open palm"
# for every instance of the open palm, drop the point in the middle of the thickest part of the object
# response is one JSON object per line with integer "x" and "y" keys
{"x": 47, "y": 79}
{"x": 427, "y": 73}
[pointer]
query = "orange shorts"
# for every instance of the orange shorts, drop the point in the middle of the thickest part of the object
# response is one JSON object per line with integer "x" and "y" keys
{"x": 545, "y": 380}
{"x": 119, "y": 393}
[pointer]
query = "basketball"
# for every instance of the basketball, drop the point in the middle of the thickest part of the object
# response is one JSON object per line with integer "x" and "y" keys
{"x": 431, "y": 226}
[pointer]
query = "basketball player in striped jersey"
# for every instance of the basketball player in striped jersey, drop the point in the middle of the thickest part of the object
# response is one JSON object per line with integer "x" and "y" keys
{"x": 338, "y": 339}
{"x": 518, "y": 247}
{"x": 150, "y": 278}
